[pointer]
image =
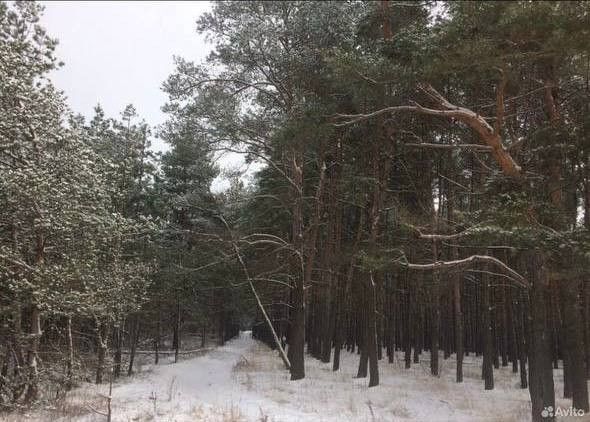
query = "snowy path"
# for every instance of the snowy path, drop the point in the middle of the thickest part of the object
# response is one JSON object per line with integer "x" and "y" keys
{"x": 245, "y": 381}
{"x": 202, "y": 388}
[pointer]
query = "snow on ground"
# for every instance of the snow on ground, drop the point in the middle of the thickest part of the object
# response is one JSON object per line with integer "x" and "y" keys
{"x": 245, "y": 381}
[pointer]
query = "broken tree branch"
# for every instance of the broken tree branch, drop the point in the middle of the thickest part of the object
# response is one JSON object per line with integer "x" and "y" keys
{"x": 255, "y": 293}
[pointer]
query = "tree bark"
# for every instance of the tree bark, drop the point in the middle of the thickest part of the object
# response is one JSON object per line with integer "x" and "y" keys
{"x": 157, "y": 338}
{"x": 541, "y": 387}
{"x": 488, "y": 346}
{"x": 434, "y": 316}
{"x": 117, "y": 355}
{"x": 587, "y": 194}
{"x": 587, "y": 326}
{"x": 458, "y": 319}
{"x": 573, "y": 342}
{"x": 101, "y": 340}
{"x": 363, "y": 328}
{"x": 135, "y": 339}
{"x": 204, "y": 335}
{"x": 20, "y": 385}
{"x": 177, "y": 327}
{"x": 70, "y": 362}
{"x": 372, "y": 337}
{"x": 33, "y": 381}
{"x": 340, "y": 333}
{"x": 297, "y": 334}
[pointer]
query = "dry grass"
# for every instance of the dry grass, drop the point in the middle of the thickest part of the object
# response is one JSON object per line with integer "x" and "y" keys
{"x": 73, "y": 406}
{"x": 242, "y": 371}
{"x": 263, "y": 416}
{"x": 243, "y": 365}
{"x": 172, "y": 389}
{"x": 230, "y": 414}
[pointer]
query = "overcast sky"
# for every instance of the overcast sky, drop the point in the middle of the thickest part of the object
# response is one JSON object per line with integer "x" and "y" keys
{"x": 120, "y": 52}
{"x": 117, "y": 53}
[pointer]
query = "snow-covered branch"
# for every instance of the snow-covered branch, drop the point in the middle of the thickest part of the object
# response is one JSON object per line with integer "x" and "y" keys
{"x": 467, "y": 262}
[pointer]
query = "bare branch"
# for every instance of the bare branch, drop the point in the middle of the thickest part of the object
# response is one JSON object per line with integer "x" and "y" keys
{"x": 366, "y": 78}
{"x": 17, "y": 262}
{"x": 272, "y": 280}
{"x": 446, "y": 109}
{"x": 449, "y": 146}
{"x": 474, "y": 259}
{"x": 265, "y": 159}
{"x": 440, "y": 236}
{"x": 243, "y": 85}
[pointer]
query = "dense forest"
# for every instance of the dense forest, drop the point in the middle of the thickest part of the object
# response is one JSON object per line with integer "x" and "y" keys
{"x": 424, "y": 189}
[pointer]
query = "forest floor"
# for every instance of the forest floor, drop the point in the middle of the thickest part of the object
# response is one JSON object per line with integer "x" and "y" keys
{"x": 245, "y": 381}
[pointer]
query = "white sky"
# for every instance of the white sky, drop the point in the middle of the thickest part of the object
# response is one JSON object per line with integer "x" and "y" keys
{"x": 117, "y": 53}
{"x": 120, "y": 52}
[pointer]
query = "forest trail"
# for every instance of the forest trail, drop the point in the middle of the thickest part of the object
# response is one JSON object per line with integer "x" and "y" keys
{"x": 245, "y": 381}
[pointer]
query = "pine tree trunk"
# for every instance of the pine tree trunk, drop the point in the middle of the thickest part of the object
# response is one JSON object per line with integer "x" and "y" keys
{"x": 101, "y": 340}
{"x": 297, "y": 333}
{"x": 204, "y": 335}
{"x": 458, "y": 319}
{"x": 372, "y": 337}
{"x": 363, "y": 337}
{"x": 221, "y": 329}
{"x": 503, "y": 333}
{"x": 418, "y": 321}
{"x": 521, "y": 335}
{"x": 587, "y": 196}
{"x": 567, "y": 376}
{"x": 341, "y": 333}
{"x": 587, "y": 326}
{"x": 434, "y": 328}
{"x": 157, "y": 338}
{"x": 327, "y": 330}
{"x": 434, "y": 317}
{"x": 573, "y": 344}
{"x": 488, "y": 346}
{"x": 541, "y": 386}
{"x": 134, "y": 340}
{"x": 33, "y": 356}
{"x": 20, "y": 385}
{"x": 5, "y": 366}
{"x": 70, "y": 362}
{"x": 297, "y": 337}
{"x": 338, "y": 323}
{"x": 177, "y": 326}
{"x": 118, "y": 352}
{"x": 409, "y": 314}
{"x": 391, "y": 320}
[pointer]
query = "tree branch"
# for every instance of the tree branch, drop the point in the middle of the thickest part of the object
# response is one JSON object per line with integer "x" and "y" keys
{"x": 16, "y": 262}
{"x": 446, "y": 109}
{"x": 474, "y": 259}
{"x": 440, "y": 236}
{"x": 449, "y": 146}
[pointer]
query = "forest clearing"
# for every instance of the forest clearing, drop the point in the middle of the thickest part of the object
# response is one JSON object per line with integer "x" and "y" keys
{"x": 306, "y": 210}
